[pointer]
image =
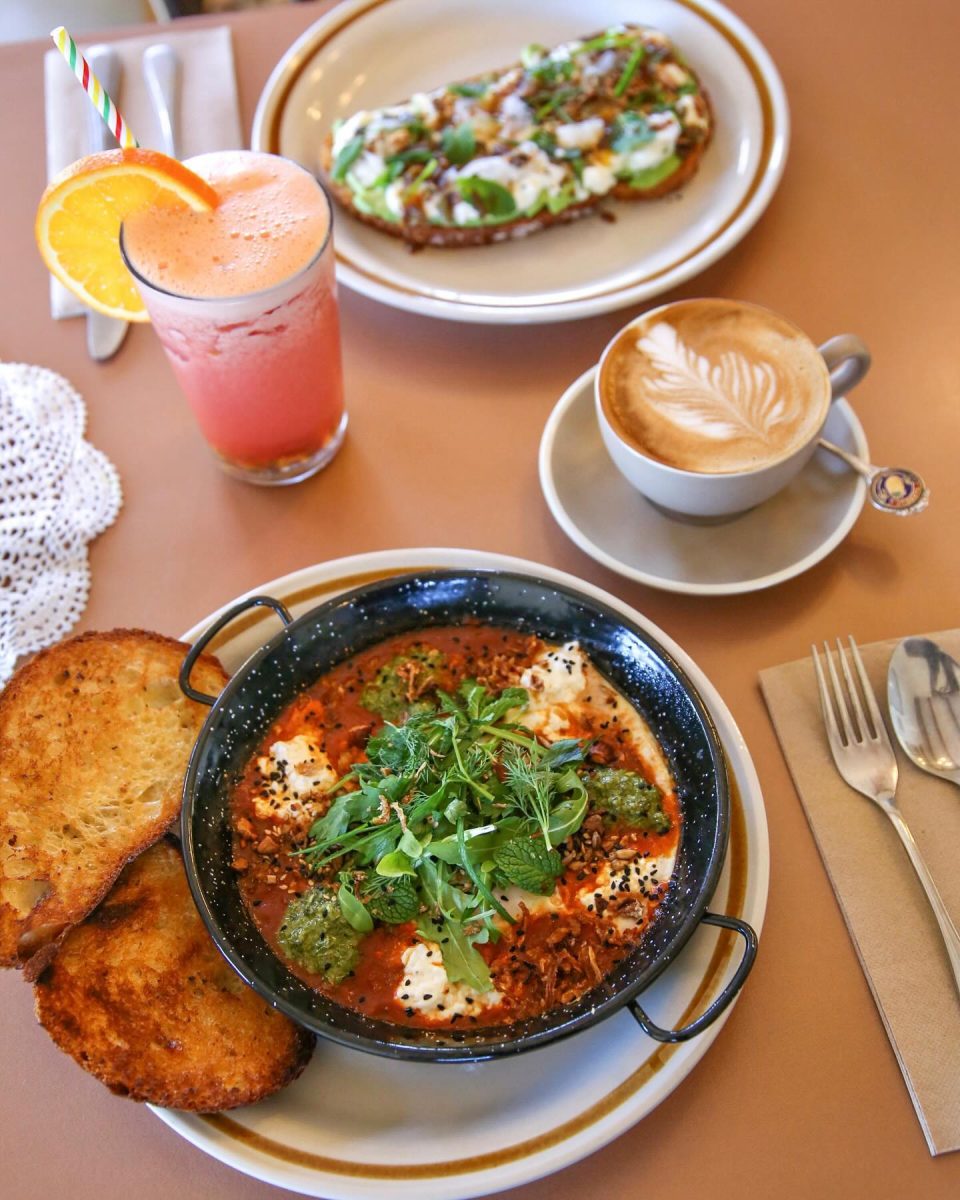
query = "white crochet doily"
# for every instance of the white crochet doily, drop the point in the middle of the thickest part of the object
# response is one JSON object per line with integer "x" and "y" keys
{"x": 57, "y": 492}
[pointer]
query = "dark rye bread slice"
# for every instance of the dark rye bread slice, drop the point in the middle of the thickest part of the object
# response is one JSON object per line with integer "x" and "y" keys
{"x": 454, "y": 237}
{"x": 139, "y": 995}
{"x": 94, "y": 740}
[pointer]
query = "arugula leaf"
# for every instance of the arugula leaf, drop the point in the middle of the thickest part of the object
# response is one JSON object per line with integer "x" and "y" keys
{"x": 492, "y": 199}
{"x": 459, "y": 144}
{"x": 530, "y": 865}
{"x": 348, "y": 807}
{"x": 347, "y": 157}
{"x": 512, "y": 697}
{"x": 461, "y": 961}
{"x": 562, "y": 753}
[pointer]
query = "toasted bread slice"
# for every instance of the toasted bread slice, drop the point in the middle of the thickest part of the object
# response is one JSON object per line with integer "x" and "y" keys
{"x": 94, "y": 740}
{"x": 139, "y": 995}
{"x": 540, "y": 143}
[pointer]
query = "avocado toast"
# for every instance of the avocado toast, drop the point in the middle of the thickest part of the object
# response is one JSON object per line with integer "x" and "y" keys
{"x": 513, "y": 151}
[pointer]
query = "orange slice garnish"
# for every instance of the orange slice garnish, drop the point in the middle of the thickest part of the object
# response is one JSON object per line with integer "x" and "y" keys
{"x": 80, "y": 214}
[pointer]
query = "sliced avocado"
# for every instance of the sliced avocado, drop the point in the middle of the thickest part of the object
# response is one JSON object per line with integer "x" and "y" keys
{"x": 654, "y": 175}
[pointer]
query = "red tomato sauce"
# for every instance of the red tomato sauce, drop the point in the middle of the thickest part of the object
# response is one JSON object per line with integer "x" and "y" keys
{"x": 546, "y": 959}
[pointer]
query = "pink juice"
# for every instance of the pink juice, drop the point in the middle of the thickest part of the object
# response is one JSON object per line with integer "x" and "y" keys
{"x": 243, "y": 299}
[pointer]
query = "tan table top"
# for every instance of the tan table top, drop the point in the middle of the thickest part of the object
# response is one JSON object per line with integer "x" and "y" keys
{"x": 800, "y": 1096}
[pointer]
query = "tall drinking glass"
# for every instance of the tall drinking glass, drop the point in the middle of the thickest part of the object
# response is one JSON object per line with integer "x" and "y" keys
{"x": 244, "y": 302}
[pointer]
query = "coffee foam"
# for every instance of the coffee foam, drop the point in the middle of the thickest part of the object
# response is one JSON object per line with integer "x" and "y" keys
{"x": 714, "y": 386}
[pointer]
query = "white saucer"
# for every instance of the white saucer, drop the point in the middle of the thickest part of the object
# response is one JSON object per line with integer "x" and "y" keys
{"x": 609, "y": 520}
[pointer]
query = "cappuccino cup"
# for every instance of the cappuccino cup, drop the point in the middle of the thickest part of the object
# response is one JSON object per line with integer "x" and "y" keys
{"x": 709, "y": 407}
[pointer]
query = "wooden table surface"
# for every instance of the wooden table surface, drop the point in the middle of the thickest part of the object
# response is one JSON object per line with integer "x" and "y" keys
{"x": 800, "y": 1096}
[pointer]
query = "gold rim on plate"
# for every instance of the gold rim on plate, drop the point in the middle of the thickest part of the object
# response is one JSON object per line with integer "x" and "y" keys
{"x": 332, "y": 28}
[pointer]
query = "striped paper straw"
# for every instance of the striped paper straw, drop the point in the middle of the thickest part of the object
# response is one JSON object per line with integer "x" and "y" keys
{"x": 94, "y": 88}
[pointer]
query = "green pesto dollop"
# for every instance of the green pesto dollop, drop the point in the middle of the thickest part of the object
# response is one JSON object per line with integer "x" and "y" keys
{"x": 628, "y": 797}
{"x": 315, "y": 934}
{"x": 397, "y": 690}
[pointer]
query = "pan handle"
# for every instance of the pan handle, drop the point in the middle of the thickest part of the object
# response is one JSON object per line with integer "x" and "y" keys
{"x": 722, "y": 1001}
{"x": 203, "y": 640}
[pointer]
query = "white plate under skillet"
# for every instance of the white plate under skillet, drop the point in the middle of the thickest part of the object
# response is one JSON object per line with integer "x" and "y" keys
{"x": 366, "y": 53}
{"x": 609, "y": 520}
{"x": 359, "y": 1127}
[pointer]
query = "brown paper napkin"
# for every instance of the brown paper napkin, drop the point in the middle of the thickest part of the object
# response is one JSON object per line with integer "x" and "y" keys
{"x": 890, "y": 922}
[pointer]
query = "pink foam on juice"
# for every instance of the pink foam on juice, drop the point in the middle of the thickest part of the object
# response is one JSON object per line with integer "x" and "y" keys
{"x": 243, "y": 299}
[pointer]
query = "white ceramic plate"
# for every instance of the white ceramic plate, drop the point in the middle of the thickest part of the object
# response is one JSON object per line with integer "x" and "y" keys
{"x": 366, "y": 53}
{"x": 609, "y": 520}
{"x": 359, "y": 1127}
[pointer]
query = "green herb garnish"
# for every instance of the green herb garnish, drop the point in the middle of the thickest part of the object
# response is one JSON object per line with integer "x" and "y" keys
{"x": 470, "y": 91}
{"x": 530, "y": 865}
{"x": 446, "y": 806}
{"x": 492, "y": 199}
{"x": 628, "y": 797}
{"x": 347, "y": 157}
{"x": 635, "y": 59}
{"x": 459, "y": 144}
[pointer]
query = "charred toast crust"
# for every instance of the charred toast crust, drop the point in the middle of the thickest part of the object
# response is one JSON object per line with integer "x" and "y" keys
{"x": 140, "y": 997}
{"x": 68, "y": 747}
{"x": 451, "y": 237}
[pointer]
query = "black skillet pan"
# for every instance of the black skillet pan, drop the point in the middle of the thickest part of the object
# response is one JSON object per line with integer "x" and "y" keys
{"x": 308, "y": 647}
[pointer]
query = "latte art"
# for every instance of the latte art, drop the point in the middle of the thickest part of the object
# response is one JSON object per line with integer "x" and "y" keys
{"x": 714, "y": 386}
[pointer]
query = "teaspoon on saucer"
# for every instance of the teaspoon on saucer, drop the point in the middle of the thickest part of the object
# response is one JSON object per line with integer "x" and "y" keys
{"x": 923, "y": 693}
{"x": 896, "y": 490}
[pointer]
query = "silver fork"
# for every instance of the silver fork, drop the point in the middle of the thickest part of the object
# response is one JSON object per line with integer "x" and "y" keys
{"x": 864, "y": 756}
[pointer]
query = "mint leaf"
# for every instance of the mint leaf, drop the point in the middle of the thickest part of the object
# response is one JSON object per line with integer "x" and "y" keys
{"x": 492, "y": 199}
{"x": 392, "y": 901}
{"x": 530, "y": 865}
{"x": 347, "y": 157}
{"x": 459, "y": 144}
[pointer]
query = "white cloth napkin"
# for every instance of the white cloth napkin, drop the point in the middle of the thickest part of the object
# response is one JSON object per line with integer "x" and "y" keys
{"x": 209, "y": 113}
{"x": 57, "y": 493}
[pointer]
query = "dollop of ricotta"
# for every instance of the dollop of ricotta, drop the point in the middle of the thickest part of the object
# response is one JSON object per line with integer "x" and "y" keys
{"x": 426, "y": 988}
{"x": 293, "y": 773}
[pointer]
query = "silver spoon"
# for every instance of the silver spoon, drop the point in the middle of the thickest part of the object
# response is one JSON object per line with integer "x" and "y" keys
{"x": 923, "y": 692}
{"x": 896, "y": 490}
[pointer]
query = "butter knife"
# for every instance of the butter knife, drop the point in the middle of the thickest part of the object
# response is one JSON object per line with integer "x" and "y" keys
{"x": 104, "y": 334}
